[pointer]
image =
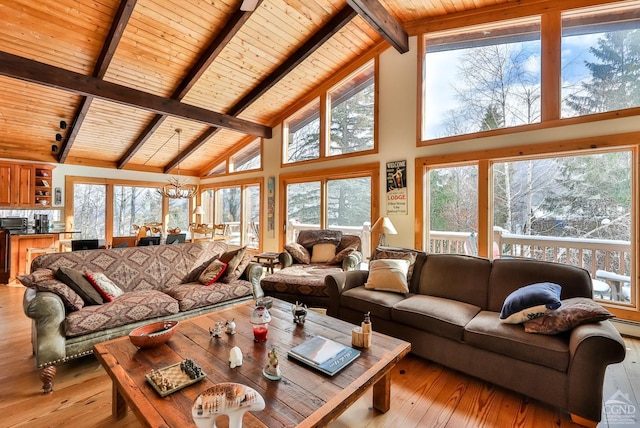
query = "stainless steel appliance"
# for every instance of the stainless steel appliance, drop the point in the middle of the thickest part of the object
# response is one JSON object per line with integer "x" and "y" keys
{"x": 40, "y": 223}
{"x": 14, "y": 224}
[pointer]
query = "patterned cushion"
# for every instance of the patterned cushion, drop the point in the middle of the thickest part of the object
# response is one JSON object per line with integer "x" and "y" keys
{"x": 128, "y": 308}
{"x": 298, "y": 252}
{"x": 308, "y": 238}
{"x": 78, "y": 283}
{"x": 212, "y": 272}
{"x": 572, "y": 313}
{"x": 340, "y": 256}
{"x": 44, "y": 280}
{"x": 195, "y": 295}
{"x": 233, "y": 259}
{"x": 107, "y": 289}
{"x": 306, "y": 280}
{"x": 239, "y": 270}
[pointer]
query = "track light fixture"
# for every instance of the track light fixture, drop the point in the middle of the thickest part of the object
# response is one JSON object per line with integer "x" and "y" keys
{"x": 54, "y": 148}
{"x": 58, "y": 137}
{"x": 63, "y": 124}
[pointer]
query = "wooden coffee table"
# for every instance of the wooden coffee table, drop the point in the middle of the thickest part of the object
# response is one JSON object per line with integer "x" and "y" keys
{"x": 303, "y": 397}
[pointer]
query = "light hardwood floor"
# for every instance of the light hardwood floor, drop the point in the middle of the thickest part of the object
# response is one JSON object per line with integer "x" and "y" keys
{"x": 423, "y": 394}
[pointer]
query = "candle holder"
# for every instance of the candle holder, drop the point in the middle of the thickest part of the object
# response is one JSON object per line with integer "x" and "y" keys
{"x": 260, "y": 319}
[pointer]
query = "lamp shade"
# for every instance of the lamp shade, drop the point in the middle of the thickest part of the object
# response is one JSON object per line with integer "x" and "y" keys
{"x": 199, "y": 210}
{"x": 384, "y": 225}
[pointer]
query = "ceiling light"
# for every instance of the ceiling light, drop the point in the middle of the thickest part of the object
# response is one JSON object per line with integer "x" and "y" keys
{"x": 177, "y": 188}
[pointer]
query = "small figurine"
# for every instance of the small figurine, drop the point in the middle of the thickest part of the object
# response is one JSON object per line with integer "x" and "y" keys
{"x": 299, "y": 312}
{"x": 235, "y": 357}
{"x": 272, "y": 369}
{"x": 231, "y": 326}
{"x": 216, "y": 331}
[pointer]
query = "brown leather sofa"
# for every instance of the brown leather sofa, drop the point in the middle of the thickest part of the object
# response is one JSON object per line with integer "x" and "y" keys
{"x": 451, "y": 316}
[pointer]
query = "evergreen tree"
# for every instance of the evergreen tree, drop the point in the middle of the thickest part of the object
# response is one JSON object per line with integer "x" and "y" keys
{"x": 615, "y": 75}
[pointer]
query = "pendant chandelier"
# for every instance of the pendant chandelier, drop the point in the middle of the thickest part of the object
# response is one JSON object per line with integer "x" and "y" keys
{"x": 178, "y": 188}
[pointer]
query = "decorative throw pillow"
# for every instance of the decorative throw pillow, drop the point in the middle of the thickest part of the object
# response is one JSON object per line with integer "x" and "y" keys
{"x": 572, "y": 313}
{"x": 529, "y": 302}
{"x": 322, "y": 253}
{"x": 212, "y": 272}
{"x": 78, "y": 283}
{"x": 298, "y": 252}
{"x": 403, "y": 255}
{"x": 341, "y": 255}
{"x": 103, "y": 285}
{"x": 232, "y": 259}
{"x": 239, "y": 270}
{"x": 44, "y": 280}
{"x": 388, "y": 275}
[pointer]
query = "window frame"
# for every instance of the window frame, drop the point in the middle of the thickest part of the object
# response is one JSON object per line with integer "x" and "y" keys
{"x": 322, "y": 95}
{"x": 227, "y": 159}
{"x": 243, "y": 184}
{"x": 70, "y": 181}
{"x": 551, "y": 42}
{"x": 485, "y": 160}
{"x": 370, "y": 170}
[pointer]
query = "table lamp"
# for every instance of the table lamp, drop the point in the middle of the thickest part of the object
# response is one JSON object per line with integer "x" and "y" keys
{"x": 383, "y": 226}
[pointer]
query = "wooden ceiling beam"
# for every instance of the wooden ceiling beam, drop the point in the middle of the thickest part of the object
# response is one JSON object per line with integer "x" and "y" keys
{"x": 383, "y": 22}
{"x": 109, "y": 47}
{"x": 216, "y": 46}
{"x": 32, "y": 71}
{"x": 334, "y": 25}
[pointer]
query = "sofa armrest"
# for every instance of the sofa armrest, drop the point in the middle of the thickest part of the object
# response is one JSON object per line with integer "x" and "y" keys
{"x": 339, "y": 282}
{"x": 285, "y": 259}
{"x": 592, "y": 348}
{"x": 253, "y": 273}
{"x": 352, "y": 261}
{"x": 47, "y": 331}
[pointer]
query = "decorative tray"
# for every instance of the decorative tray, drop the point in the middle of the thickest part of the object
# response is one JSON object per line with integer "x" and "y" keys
{"x": 175, "y": 377}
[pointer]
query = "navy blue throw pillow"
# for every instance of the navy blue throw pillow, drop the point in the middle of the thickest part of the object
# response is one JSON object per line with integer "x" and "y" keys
{"x": 531, "y": 301}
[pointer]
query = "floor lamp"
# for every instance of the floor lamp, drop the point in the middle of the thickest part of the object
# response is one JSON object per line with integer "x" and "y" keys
{"x": 383, "y": 226}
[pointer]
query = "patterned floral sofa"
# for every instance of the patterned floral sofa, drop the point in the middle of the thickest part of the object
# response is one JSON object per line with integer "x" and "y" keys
{"x": 301, "y": 279}
{"x": 159, "y": 282}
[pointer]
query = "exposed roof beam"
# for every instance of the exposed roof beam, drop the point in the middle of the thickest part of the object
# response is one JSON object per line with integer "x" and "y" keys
{"x": 36, "y": 72}
{"x": 386, "y": 25}
{"x": 329, "y": 29}
{"x": 232, "y": 27}
{"x": 118, "y": 26}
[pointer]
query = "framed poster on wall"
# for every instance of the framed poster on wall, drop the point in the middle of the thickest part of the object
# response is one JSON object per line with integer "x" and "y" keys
{"x": 397, "y": 187}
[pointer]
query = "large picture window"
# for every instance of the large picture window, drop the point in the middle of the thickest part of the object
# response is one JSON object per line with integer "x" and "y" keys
{"x": 237, "y": 209}
{"x": 89, "y": 210}
{"x": 335, "y": 199}
{"x": 481, "y": 79}
{"x": 600, "y": 59}
{"x": 340, "y": 121}
{"x": 135, "y": 205}
{"x": 574, "y": 207}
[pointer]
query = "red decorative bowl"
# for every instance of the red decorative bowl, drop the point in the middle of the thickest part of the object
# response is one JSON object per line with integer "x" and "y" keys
{"x": 154, "y": 334}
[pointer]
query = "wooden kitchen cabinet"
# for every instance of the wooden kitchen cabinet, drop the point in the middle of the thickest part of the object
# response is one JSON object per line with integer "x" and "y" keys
{"x": 25, "y": 185}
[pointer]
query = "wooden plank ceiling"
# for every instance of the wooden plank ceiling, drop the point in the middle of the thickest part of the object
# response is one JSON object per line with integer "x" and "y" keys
{"x": 124, "y": 74}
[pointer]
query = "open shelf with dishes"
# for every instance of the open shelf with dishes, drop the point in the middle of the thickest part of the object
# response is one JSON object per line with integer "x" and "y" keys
{"x": 43, "y": 185}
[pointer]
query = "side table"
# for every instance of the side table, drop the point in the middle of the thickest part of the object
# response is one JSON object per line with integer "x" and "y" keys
{"x": 269, "y": 260}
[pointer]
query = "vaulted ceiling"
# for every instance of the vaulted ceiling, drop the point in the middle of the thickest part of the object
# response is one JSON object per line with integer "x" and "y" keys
{"x": 124, "y": 74}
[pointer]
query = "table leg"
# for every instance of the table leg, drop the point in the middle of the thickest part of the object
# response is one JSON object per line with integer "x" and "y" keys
{"x": 382, "y": 393}
{"x": 118, "y": 403}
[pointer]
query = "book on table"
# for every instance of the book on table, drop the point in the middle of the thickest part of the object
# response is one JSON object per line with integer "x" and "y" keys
{"x": 324, "y": 354}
